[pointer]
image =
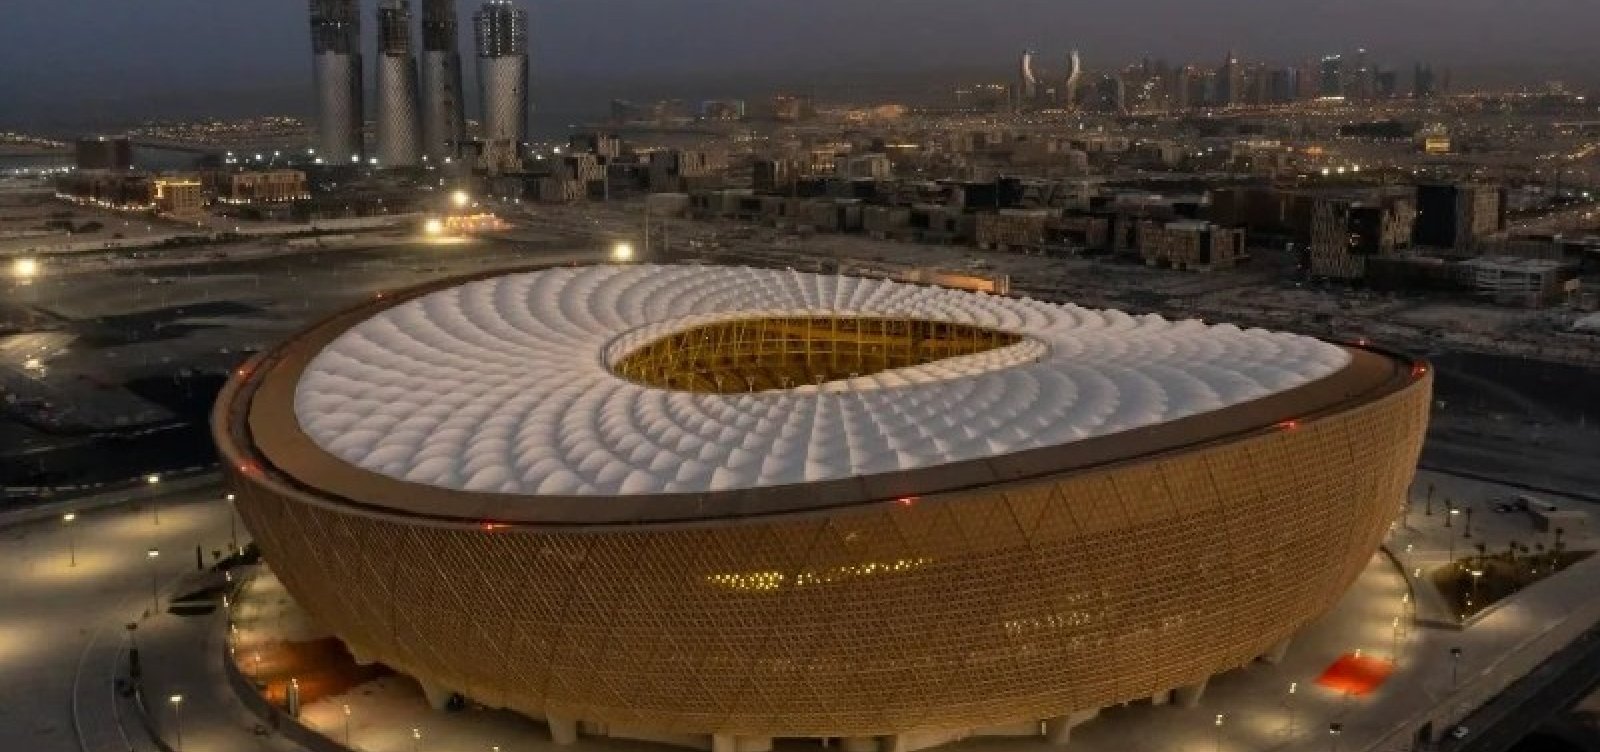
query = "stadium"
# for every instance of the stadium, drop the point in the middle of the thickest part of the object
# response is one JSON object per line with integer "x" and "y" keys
{"x": 716, "y": 506}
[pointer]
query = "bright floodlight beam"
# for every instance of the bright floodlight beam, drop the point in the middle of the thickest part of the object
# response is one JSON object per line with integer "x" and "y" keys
{"x": 622, "y": 252}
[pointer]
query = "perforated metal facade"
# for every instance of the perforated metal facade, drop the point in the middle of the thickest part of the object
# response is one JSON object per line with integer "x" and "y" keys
{"x": 501, "y": 33}
{"x": 1109, "y": 578}
{"x": 336, "y": 56}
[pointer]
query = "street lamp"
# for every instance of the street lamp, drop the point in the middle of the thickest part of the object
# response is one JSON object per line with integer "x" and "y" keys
{"x": 347, "y": 725}
{"x": 460, "y": 199}
{"x": 1455, "y": 666}
{"x": 152, "y": 480}
{"x": 1219, "y": 732}
{"x": 416, "y": 740}
{"x": 1452, "y": 515}
{"x": 155, "y": 598}
{"x": 1334, "y": 730}
{"x": 177, "y": 718}
{"x": 72, "y": 540}
{"x": 233, "y": 527}
{"x": 433, "y": 227}
{"x": 622, "y": 252}
{"x": 1467, "y": 533}
{"x": 1290, "y": 702}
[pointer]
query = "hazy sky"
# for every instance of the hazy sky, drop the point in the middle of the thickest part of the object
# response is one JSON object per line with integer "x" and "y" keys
{"x": 107, "y": 56}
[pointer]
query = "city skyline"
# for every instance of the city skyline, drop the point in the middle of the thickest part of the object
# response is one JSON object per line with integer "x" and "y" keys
{"x": 255, "y": 57}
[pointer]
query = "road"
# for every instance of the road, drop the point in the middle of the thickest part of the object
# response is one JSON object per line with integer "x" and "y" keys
{"x": 67, "y": 592}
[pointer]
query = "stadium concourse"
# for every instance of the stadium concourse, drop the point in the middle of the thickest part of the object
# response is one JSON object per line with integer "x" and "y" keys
{"x": 719, "y": 506}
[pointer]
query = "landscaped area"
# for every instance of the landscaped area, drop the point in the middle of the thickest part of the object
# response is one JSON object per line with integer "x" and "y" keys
{"x": 1473, "y": 583}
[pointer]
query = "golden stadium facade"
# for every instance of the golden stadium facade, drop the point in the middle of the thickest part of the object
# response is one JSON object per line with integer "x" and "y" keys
{"x": 702, "y": 503}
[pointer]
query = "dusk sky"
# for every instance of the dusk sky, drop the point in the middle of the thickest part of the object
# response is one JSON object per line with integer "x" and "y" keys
{"x": 61, "y": 59}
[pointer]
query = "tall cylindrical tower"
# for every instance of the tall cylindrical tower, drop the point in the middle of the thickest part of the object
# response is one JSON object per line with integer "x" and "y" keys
{"x": 1027, "y": 79}
{"x": 443, "y": 127}
{"x": 399, "y": 139}
{"x": 1069, "y": 94}
{"x": 502, "y": 37}
{"x": 336, "y": 56}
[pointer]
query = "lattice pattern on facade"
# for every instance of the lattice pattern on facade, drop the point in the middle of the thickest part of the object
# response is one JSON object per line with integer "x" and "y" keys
{"x": 1008, "y": 603}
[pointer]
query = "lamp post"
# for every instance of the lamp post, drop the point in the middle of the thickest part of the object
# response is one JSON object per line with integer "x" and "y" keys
{"x": 72, "y": 538}
{"x": 177, "y": 719}
{"x": 1394, "y": 652}
{"x": 1429, "y": 511}
{"x": 1476, "y": 574}
{"x": 1219, "y": 732}
{"x": 416, "y": 740}
{"x": 1467, "y": 532}
{"x": 233, "y": 527}
{"x": 1451, "y": 512}
{"x": 1455, "y": 666}
{"x": 347, "y": 725}
{"x": 1334, "y": 730}
{"x": 154, "y": 480}
{"x": 1290, "y": 703}
{"x": 1452, "y": 538}
{"x": 155, "y": 595}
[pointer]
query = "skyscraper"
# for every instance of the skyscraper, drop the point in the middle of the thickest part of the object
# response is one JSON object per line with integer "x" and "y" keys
{"x": 1027, "y": 80}
{"x": 1332, "y": 77}
{"x": 1069, "y": 95}
{"x": 1111, "y": 94}
{"x": 1230, "y": 81}
{"x": 399, "y": 142}
{"x": 336, "y": 55}
{"x": 443, "y": 127}
{"x": 502, "y": 36}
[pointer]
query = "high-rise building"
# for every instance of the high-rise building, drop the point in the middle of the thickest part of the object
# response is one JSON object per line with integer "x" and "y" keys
{"x": 336, "y": 55}
{"x": 1230, "y": 81}
{"x": 501, "y": 30}
{"x": 443, "y": 125}
{"x": 1308, "y": 84}
{"x": 1423, "y": 82}
{"x": 1364, "y": 82}
{"x": 1332, "y": 79}
{"x": 1282, "y": 84}
{"x": 1027, "y": 80}
{"x": 103, "y": 153}
{"x": 399, "y": 137}
{"x": 1069, "y": 94}
{"x": 1111, "y": 94}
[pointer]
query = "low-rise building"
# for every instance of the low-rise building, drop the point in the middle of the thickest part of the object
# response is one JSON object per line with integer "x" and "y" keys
{"x": 182, "y": 197}
{"x": 1190, "y": 245}
{"x": 108, "y": 189}
{"x": 1013, "y": 229}
{"x": 1347, "y": 232}
{"x": 1458, "y": 216}
{"x": 259, "y": 186}
{"x": 1514, "y": 280}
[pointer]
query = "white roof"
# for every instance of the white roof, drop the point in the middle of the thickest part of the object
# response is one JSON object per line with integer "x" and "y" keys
{"x": 503, "y": 385}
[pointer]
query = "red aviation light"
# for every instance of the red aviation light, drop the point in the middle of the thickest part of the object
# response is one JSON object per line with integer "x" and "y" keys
{"x": 1288, "y": 425}
{"x": 1419, "y": 369}
{"x": 906, "y": 501}
{"x": 490, "y": 527}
